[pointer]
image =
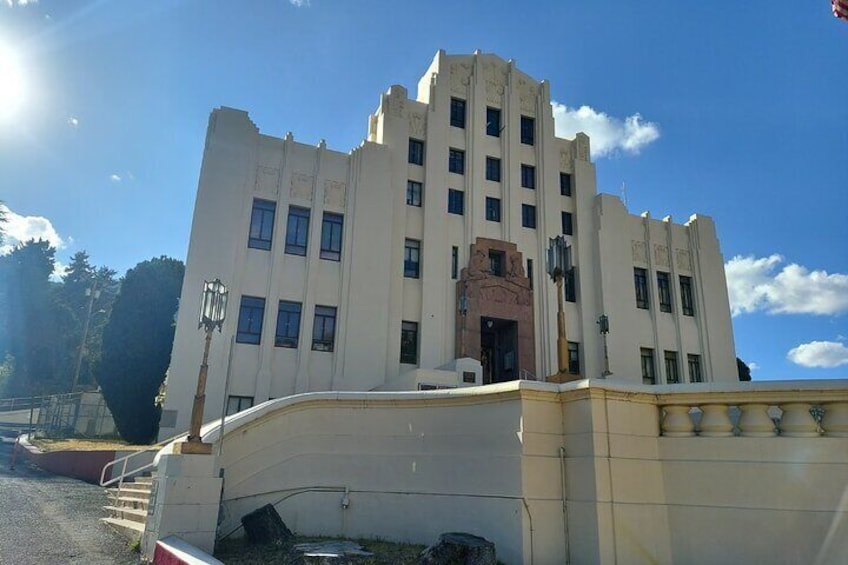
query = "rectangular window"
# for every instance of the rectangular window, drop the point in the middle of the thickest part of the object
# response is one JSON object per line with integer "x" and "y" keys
{"x": 528, "y": 176}
{"x": 236, "y": 404}
{"x": 570, "y": 284}
{"x": 528, "y": 130}
{"x": 493, "y": 209}
{"x": 530, "y": 272}
{"x": 664, "y": 290}
{"x": 528, "y": 216}
{"x": 640, "y": 278}
{"x": 297, "y": 231}
{"x": 672, "y": 373}
{"x": 261, "y": 224}
{"x": 251, "y": 311}
{"x": 493, "y": 122}
{"x": 567, "y": 224}
{"x": 331, "y": 236}
{"x": 496, "y": 262}
{"x": 416, "y": 151}
{"x": 694, "y": 362}
{"x": 324, "y": 330}
{"x": 565, "y": 184}
{"x": 409, "y": 343}
{"x": 454, "y": 262}
{"x": 573, "y": 358}
{"x": 457, "y": 113}
{"x": 288, "y": 324}
{"x": 493, "y": 169}
{"x": 456, "y": 161}
{"x": 456, "y": 202}
{"x": 649, "y": 376}
{"x": 414, "y": 190}
{"x": 688, "y": 305}
{"x": 411, "y": 259}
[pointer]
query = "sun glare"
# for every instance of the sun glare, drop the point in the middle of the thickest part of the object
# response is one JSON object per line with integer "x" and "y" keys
{"x": 12, "y": 84}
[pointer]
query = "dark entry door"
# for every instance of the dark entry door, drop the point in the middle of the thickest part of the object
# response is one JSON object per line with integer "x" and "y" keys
{"x": 498, "y": 350}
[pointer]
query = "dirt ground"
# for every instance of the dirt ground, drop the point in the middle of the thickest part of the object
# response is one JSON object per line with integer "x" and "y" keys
{"x": 240, "y": 552}
{"x": 45, "y": 444}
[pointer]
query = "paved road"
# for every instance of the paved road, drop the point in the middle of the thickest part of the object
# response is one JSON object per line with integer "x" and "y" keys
{"x": 46, "y": 519}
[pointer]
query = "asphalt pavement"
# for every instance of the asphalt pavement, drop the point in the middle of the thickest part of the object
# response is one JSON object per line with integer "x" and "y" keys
{"x": 46, "y": 519}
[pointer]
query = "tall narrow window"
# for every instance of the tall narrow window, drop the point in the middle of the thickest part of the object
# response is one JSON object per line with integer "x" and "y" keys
{"x": 288, "y": 324}
{"x": 414, "y": 190}
{"x": 528, "y": 216}
{"x": 236, "y": 404}
{"x": 454, "y": 262}
{"x": 324, "y": 330}
{"x": 640, "y": 278}
{"x": 528, "y": 176}
{"x": 694, "y": 362}
{"x": 528, "y": 130}
{"x": 456, "y": 202}
{"x": 457, "y": 113}
{"x": 565, "y": 184}
{"x": 456, "y": 161}
{"x": 297, "y": 231}
{"x": 672, "y": 372}
{"x": 493, "y": 209}
{"x": 687, "y": 304}
{"x": 530, "y": 272}
{"x": 251, "y": 312}
{"x": 416, "y": 151}
{"x": 567, "y": 225}
{"x": 331, "y": 236}
{"x": 493, "y": 122}
{"x": 493, "y": 169}
{"x": 261, "y": 224}
{"x": 573, "y": 357}
{"x": 570, "y": 284}
{"x": 411, "y": 259}
{"x": 649, "y": 376}
{"x": 664, "y": 290}
{"x": 409, "y": 343}
{"x": 496, "y": 262}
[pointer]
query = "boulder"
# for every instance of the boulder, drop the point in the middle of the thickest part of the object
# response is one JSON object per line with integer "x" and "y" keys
{"x": 265, "y": 526}
{"x": 459, "y": 548}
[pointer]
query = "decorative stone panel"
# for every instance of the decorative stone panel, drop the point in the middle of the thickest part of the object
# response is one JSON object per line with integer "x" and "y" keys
{"x": 267, "y": 180}
{"x": 460, "y": 76}
{"x": 684, "y": 259}
{"x": 334, "y": 194}
{"x": 640, "y": 251}
{"x": 417, "y": 125}
{"x": 495, "y": 77}
{"x": 661, "y": 255}
{"x": 301, "y": 186}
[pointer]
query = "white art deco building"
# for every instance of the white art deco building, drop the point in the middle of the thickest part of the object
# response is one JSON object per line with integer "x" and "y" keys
{"x": 417, "y": 260}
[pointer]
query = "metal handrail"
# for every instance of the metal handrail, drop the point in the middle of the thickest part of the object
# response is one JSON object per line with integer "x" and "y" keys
{"x": 132, "y": 472}
{"x": 527, "y": 375}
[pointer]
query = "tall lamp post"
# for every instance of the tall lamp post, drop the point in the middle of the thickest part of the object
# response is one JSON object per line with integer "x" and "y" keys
{"x": 603, "y": 327}
{"x": 559, "y": 263}
{"x": 213, "y": 310}
{"x": 462, "y": 307}
{"x": 93, "y": 294}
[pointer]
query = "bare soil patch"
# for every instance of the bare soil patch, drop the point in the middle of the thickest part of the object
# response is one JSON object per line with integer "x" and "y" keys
{"x": 240, "y": 552}
{"x": 72, "y": 444}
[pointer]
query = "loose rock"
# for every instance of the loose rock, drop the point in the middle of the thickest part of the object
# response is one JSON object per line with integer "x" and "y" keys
{"x": 458, "y": 547}
{"x": 265, "y": 526}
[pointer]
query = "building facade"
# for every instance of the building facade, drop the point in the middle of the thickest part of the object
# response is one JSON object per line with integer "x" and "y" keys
{"x": 418, "y": 260}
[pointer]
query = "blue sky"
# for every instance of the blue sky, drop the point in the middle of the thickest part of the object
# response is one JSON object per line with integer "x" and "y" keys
{"x": 733, "y": 110}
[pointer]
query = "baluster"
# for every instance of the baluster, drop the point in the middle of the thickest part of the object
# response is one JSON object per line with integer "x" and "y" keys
{"x": 835, "y": 421}
{"x": 755, "y": 421}
{"x": 715, "y": 422}
{"x": 797, "y": 421}
{"x": 676, "y": 422}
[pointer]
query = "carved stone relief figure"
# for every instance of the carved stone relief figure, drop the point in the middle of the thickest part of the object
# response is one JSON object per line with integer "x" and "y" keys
{"x": 684, "y": 260}
{"x": 661, "y": 255}
{"x": 640, "y": 251}
{"x": 334, "y": 194}
{"x": 301, "y": 186}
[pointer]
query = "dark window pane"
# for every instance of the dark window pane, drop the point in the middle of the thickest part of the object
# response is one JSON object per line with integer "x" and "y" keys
{"x": 493, "y": 209}
{"x": 251, "y": 312}
{"x": 528, "y": 130}
{"x": 331, "y": 236}
{"x": 456, "y": 161}
{"x": 640, "y": 279}
{"x": 573, "y": 358}
{"x": 570, "y": 284}
{"x": 324, "y": 330}
{"x": 456, "y": 201}
{"x": 687, "y": 303}
{"x": 528, "y": 176}
{"x": 493, "y": 169}
{"x": 288, "y": 324}
{"x": 567, "y": 227}
{"x": 454, "y": 262}
{"x": 261, "y": 224}
{"x": 565, "y": 184}
{"x": 412, "y": 259}
{"x": 409, "y": 343}
{"x": 672, "y": 373}
{"x": 649, "y": 376}
{"x": 413, "y": 193}
{"x": 236, "y": 404}
{"x": 416, "y": 151}
{"x": 528, "y": 216}
{"x": 297, "y": 231}
{"x": 695, "y": 375}
{"x": 457, "y": 113}
{"x": 493, "y": 122}
{"x": 496, "y": 262}
{"x": 664, "y": 290}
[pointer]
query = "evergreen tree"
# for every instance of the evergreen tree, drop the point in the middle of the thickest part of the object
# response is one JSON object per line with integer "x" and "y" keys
{"x": 743, "y": 370}
{"x": 137, "y": 344}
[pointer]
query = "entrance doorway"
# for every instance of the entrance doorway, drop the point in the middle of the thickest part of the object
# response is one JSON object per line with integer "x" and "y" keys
{"x": 498, "y": 349}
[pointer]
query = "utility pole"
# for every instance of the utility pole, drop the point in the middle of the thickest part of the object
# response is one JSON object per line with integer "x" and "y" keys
{"x": 93, "y": 293}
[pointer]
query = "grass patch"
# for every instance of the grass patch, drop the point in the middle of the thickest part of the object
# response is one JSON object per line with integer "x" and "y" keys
{"x": 240, "y": 552}
{"x": 72, "y": 444}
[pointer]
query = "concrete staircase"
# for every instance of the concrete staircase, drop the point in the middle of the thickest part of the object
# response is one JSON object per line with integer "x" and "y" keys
{"x": 127, "y": 508}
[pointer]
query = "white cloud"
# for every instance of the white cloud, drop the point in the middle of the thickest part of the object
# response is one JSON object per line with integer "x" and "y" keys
{"x": 20, "y": 229}
{"x": 755, "y": 284}
{"x": 821, "y": 354}
{"x": 753, "y": 366}
{"x": 114, "y": 177}
{"x": 73, "y": 122}
{"x": 607, "y": 134}
{"x": 299, "y": 3}
{"x": 11, "y": 3}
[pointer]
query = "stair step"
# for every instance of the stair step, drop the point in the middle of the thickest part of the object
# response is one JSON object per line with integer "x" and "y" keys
{"x": 130, "y": 491}
{"x": 131, "y": 502}
{"x": 142, "y": 481}
{"x": 127, "y": 528}
{"x": 127, "y": 513}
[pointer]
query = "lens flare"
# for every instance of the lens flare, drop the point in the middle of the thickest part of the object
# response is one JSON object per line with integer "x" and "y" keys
{"x": 12, "y": 84}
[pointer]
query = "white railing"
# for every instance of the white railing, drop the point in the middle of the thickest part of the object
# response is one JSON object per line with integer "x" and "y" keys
{"x": 526, "y": 375}
{"x": 133, "y": 471}
{"x": 755, "y": 413}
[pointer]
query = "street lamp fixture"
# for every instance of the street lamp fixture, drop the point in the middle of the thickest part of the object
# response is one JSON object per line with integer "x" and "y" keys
{"x": 559, "y": 263}
{"x": 603, "y": 328}
{"x": 213, "y": 310}
{"x": 462, "y": 307}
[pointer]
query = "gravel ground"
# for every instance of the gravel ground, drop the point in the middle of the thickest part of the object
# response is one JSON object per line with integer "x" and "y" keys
{"x": 46, "y": 519}
{"x": 240, "y": 552}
